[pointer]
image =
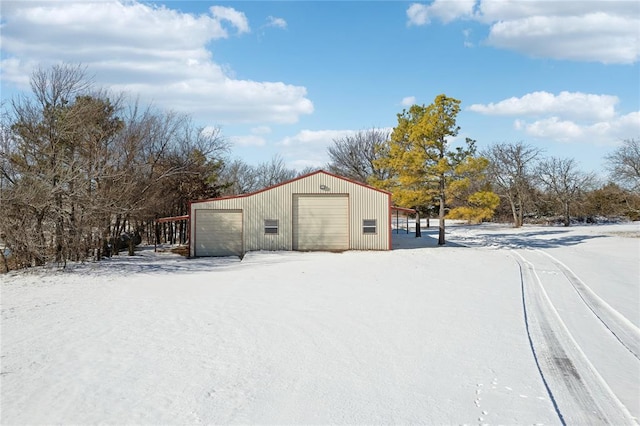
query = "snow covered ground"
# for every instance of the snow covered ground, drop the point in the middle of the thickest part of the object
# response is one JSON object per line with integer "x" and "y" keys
{"x": 538, "y": 325}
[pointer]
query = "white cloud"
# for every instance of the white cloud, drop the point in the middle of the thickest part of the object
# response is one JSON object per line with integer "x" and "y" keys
{"x": 17, "y": 71}
{"x": 567, "y": 117}
{"x": 467, "y": 35}
{"x": 256, "y": 138}
{"x": 261, "y": 130}
{"x": 598, "y": 31}
{"x": 210, "y": 131}
{"x": 575, "y": 105}
{"x": 309, "y": 147}
{"x": 553, "y": 128}
{"x": 248, "y": 140}
{"x": 593, "y": 37}
{"x": 418, "y": 14}
{"x": 237, "y": 19}
{"x": 155, "y": 52}
{"x": 408, "y": 101}
{"x": 501, "y": 10}
{"x": 629, "y": 124}
{"x": 444, "y": 10}
{"x": 303, "y": 164}
{"x": 315, "y": 137}
{"x": 603, "y": 132}
{"x": 272, "y": 21}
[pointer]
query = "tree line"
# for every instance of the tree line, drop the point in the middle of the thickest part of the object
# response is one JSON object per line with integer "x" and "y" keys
{"x": 86, "y": 173}
{"x": 514, "y": 182}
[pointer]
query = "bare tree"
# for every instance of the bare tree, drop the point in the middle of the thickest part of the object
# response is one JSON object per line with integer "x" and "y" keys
{"x": 238, "y": 178}
{"x": 510, "y": 170}
{"x": 171, "y": 162}
{"x": 354, "y": 156}
{"x": 273, "y": 172}
{"x": 564, "y": 182}
{"x": 7, "y": 179}
{"x": 624, "y": 164}
{"x": 46, "y": 131}
{"x": 77, "y": 170}
{"x": 194, "y": 167}
{"x": 308, "y": 170}
{"x": 242, "y": 178}
{"x": 6, "y": 142}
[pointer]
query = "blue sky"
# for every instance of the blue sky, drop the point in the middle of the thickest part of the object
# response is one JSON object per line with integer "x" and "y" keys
{"x": 286, "y": 78}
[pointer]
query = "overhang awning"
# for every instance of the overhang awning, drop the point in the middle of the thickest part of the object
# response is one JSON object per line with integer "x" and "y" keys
{"x": 396, "y": 212}
{"x": 172, "y": 219}
{"x": 403, "y": 210}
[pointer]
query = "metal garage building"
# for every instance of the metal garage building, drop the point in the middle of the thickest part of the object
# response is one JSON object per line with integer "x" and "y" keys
{"x": 318, "y": 211}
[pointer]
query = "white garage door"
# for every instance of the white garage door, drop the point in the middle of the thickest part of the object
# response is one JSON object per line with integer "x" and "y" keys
{"x": 218, "y": 232}
{"x": 321, "y": 222}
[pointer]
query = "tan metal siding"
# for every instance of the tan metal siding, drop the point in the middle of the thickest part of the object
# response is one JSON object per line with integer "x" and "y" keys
{"x": 277, "y": 203}
{"x": 364, "y": 203}
{"x": 368, "y": 205}
{"x": 272, "y": 204}
{"x": 321, "y": 222}
{"x": 218, "y": 232}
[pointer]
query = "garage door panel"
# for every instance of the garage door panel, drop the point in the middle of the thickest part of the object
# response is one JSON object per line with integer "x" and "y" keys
{"x": 218, "y": 233}
{"x": 321, "y": 223}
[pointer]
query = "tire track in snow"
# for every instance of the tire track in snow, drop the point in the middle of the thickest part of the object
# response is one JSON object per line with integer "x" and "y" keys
{"x": 623, "y": 329}
{"x": 577, "y": 391}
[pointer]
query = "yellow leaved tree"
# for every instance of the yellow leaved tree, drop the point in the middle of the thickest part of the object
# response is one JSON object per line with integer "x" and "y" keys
{"x": 426, "y": 170}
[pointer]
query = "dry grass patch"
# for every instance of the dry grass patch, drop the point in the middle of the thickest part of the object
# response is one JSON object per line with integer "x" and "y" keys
{"x": 626, "y": 234}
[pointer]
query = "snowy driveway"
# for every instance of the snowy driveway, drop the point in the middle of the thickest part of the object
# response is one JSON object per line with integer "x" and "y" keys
{"x": 583, "y": 325}
{"x": 413, "y": 336}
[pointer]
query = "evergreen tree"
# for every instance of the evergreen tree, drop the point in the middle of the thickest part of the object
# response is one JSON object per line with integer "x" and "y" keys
{"x": 424, "y": 165}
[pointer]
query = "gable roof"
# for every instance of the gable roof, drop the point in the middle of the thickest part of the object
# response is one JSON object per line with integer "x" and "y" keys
{"x": 249, "y": 194}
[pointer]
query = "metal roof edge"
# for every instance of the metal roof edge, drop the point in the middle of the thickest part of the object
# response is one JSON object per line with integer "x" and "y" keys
{"x": 172, "y": 218}
{"x": 268, "y": 188}
{"x": 403, "y": 209}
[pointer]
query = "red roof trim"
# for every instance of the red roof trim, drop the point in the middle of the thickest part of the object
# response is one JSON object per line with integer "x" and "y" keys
{"x": 390, "y": 224}
{"x": 290, "y": 181}
{"x": 403, "y": 209}
{"x": 172, "y": 218}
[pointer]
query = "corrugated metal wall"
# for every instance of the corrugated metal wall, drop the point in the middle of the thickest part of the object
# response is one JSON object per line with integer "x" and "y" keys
{"x": 321, "y": 222}
{"x": 222, "y": 234}
{"x": 276, "y": 203}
